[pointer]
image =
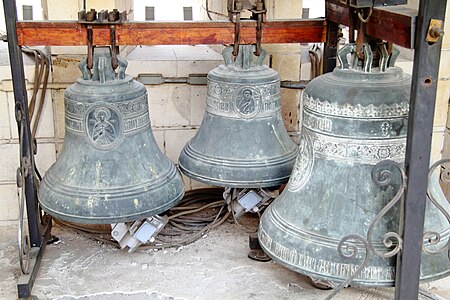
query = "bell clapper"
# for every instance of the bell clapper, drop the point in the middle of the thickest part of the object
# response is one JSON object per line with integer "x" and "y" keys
{"x": 134, "y": 234}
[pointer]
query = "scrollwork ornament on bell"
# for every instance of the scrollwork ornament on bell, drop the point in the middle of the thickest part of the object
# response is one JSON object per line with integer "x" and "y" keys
{"x": 334, "y": 221}
{"x": 110, "y": 169}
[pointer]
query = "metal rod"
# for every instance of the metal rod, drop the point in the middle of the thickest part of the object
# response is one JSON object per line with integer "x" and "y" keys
{"x": 420, "y": 128}
{"x": 21, "y": 104}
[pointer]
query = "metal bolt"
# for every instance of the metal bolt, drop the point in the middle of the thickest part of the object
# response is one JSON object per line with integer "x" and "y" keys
{"x": 115, "y": 233}
{"x": 91, "y": 15}
{"x": 436, "y": 32}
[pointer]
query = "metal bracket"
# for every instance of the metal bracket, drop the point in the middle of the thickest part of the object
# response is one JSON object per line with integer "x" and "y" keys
{"x": 26, "y": 281}
{"x": 435, "y": 31}
{"x": 156, "y": 79}
{"x": 104, "y": 17}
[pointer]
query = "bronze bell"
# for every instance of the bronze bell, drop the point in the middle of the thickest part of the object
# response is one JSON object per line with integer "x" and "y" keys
{"x": 110, "y": 169}
{"x": 353, "y": 119}
{"x": 242, "y": 141}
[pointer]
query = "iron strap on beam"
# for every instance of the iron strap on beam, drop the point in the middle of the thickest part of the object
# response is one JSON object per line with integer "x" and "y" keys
{"x": 50, "y": 33}
{"x": 420, "y": 129}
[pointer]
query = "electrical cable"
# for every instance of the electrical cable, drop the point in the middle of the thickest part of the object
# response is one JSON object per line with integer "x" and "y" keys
{"x": 41, "y": 72}
{"x": 189, "y": 221}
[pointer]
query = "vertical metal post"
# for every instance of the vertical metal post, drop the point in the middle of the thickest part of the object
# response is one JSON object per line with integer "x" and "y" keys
{"x": 22, "y": 117}
{"x": 330, "y": 47}
{"x": 420, "y": 129}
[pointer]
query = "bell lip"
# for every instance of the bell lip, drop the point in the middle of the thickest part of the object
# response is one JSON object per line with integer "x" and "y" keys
{"x": 355, "y": 282}
{"x": 188, "y": 153}
{"x": 113, "y": 219}
{"x": 234, "y": 183}
{"x": 144, "y": 190}
{"x": 328, "y": 242}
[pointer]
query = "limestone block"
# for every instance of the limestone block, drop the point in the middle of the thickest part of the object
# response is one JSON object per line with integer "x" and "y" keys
{"x": 10, "y": 162}
{"x": 199, "y": 53}
{"x": 10, "y": 207}
{"x": 406, "y": 66}
{"x": 290, "y": 101}
{"x": 12, "y": 115}
{"x": 169, "y": 105}
{"x": 58, "y": 113}
{"x": 175, "y": 141}
{"x": 283, "y": 9}
{"x": 186, "y": 67}
{"x": 288, "y": 65}
{"x": 437, "y": 144}
{"x": 444, "y": 67}
{"x": 282, "y": 48}
{"x": 442, "y": 101}
{"x": 58, "y": 148}
{"x": 45, "y": 157}
{"x": 446, "y": 38}
{"x": 165, "y": 67}
{"x": 446, "y": 148}
{"x": 159, "y": 138}
{"x": 56, "y": 11}
{"x": 187, "y": 182}
{"x": 5, "y": 131}
{"x": 65, "y": 68}
{"x": 69, "y": 50}
{"x": 198, "y": 104}
{"x": 45, "y": 127}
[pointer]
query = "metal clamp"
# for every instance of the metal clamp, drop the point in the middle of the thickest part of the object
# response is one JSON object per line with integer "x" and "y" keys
{"x": 259, "y": 14}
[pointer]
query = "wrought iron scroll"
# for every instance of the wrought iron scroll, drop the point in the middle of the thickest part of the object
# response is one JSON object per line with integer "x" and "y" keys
{"x": 392, "y": 241}
{"x": 432, "y": 237}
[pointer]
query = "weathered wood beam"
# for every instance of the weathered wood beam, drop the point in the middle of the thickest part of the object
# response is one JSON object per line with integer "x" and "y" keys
{"x": 394, "y": 24}
{"x": 68, "y": 33}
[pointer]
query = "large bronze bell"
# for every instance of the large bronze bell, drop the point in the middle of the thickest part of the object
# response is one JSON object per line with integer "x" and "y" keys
{"x": 353, "y": 119}
{"x": 242, "y": 141}
{"x": 110, "y": 169}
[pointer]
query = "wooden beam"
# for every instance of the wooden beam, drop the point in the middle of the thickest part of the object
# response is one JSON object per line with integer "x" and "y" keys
{"x": 51, "y": 33}
{"x": 394, "y": 24}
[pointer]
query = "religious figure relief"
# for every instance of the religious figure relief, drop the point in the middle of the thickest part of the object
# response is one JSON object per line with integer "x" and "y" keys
{"x": 103, "y": 126}
{"x": 247, "y": 102}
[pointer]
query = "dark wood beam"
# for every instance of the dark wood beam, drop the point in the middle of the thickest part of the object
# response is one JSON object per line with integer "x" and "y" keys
{"x": 394, "y": 24}
{"x": 51, "y": 33}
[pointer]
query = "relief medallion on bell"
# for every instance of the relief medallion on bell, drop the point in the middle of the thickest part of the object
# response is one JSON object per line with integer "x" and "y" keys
{"x": 103, "y": 125}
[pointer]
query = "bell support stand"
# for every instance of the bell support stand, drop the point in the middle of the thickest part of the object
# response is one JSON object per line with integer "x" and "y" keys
{"x": 38, "y": 226}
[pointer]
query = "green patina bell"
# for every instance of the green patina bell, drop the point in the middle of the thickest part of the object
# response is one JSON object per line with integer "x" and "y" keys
{"x": 110, "y": 169}
{"x": 353, "y": 119}
{"x": 242, "y": 141}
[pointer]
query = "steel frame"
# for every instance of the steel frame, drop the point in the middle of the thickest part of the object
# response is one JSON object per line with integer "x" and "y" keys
{"x": 425, "y": 77}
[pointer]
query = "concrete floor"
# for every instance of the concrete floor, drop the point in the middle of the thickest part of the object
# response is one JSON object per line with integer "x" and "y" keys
{"x": 213, "y": 267}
